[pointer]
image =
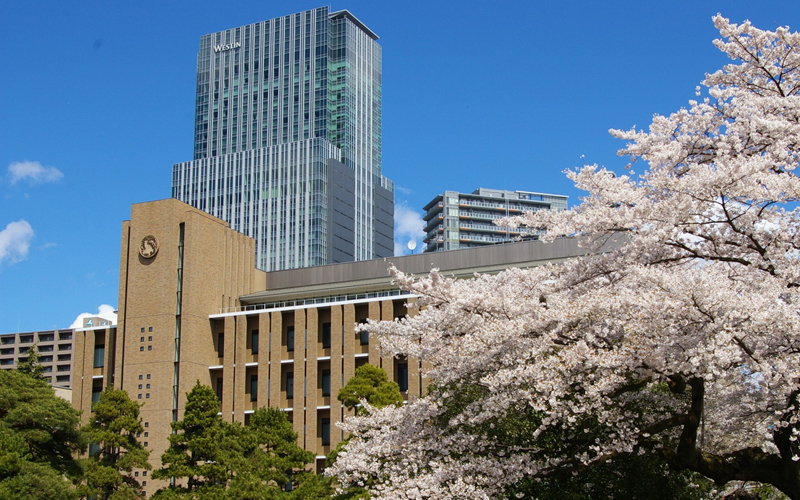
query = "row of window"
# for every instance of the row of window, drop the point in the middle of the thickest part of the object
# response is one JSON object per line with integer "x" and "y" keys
{"x": 8, "y": 351}
{"x": 28, "y": 339}
{"x": 325, "y": 337}
{"x": 325, "y": 383}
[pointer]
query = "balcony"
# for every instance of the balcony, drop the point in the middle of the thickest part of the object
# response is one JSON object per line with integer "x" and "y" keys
{"x": 436, "y": 208}
{"x": 432, "y": 222}
{"x": 483, "y": 238}
{"x": 491, "y": 228}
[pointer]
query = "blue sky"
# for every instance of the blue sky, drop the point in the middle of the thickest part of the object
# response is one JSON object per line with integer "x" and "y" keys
{"x": 98, "y": 97}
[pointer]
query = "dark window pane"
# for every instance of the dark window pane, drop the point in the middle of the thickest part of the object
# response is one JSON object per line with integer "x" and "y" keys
{"x": 253, "y": 387}
{"x": 289, "y": 385}
{"x": 326, "y": 382}
{"x": 326, "y": 335}
{"x": 402, "y": 376}
{"x": 254, "y": 341}
{"x": 290, "y": 338}
{"x": 326, "y": 431}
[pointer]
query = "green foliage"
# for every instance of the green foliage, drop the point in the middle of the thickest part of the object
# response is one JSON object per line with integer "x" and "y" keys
{"x": 47, "y": 424}
{"x": 372, "y": 384}
{"x": 39, "y": 438}
{"x": 214, "y": 459}
{"x": 114, "y": 428}
{"x": 643, "y": 474}
{"x": 31, "y": 365}
{"x": 195, "y": 450}
{"x": 646, "y": 476}
{"x": 35, "y": 481}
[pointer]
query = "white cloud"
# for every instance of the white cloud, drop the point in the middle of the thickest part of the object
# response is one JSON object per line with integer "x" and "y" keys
{"x": 33, "y": 172}
{"x": 408, "y": 226}
{"x": 15, "y": 241}
{"x": 105, "y": 311}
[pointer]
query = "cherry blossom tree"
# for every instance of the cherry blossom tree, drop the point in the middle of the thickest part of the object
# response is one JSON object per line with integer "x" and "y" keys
{"x": 678, "y": 332}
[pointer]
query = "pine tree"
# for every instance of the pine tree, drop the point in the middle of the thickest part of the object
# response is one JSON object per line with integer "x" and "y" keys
{"x": 194, "y": 457}
{"x": 115, "y": 428}
{"x": 372, "y": 384}
{"x": 39, "y": 438}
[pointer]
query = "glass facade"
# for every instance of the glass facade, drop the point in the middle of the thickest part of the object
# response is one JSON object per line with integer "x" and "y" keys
{"x": 275, "y": 101}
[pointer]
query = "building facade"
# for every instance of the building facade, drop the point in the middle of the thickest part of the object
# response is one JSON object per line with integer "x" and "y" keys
{"x": 287, "y": 139}
{"x": 55, "y": 349}
{"x": 456, "y": 220}
{"x": 193, "y": 307}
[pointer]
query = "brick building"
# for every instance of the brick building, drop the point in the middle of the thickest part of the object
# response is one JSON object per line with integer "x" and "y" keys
{"x": 192, "y": 306}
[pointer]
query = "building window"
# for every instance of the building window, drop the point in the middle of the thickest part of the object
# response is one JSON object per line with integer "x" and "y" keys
{"x": 142, "y": 329}
{"x": 140, "y": 377}
{"x": 221, "y": 344}
{"x": 326, "y": 335}
{"x": 99, "y": 356}
{"x": 141, "y": 339}
{"x": 150, "y": 329}
{"x": 149, "y": 338}
{"x": 325, "y": 427}
{"x": 402, "y": 376}
{"x": 289, "y": 385}
{"x": 326, "y": 383}
{"x": 140, "y": 386}
{"x": 219, "y": 389}
{"x": 290, "y": 338}
{"x": 254, "y": 341}
{"x": 363, "y": 337}
{"x": 149, "y": 348}
{"x": 253, "y": 387}
{"x": 148, "y": 376}
{"x": 65, "y": 336}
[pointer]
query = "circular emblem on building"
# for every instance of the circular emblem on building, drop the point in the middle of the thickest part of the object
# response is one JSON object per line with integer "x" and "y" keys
{"x": 148, "y": 248}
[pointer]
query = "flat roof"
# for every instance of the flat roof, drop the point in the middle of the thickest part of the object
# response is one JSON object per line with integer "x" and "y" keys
{"x": 347, "y": 14}
{"x": 373, "y": 275}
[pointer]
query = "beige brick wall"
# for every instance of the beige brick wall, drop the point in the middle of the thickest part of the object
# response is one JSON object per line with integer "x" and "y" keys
{"x": 217, "y": 269}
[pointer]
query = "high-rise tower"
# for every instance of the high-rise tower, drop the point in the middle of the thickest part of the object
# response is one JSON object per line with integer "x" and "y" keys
{"x": 287, "y": 139}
